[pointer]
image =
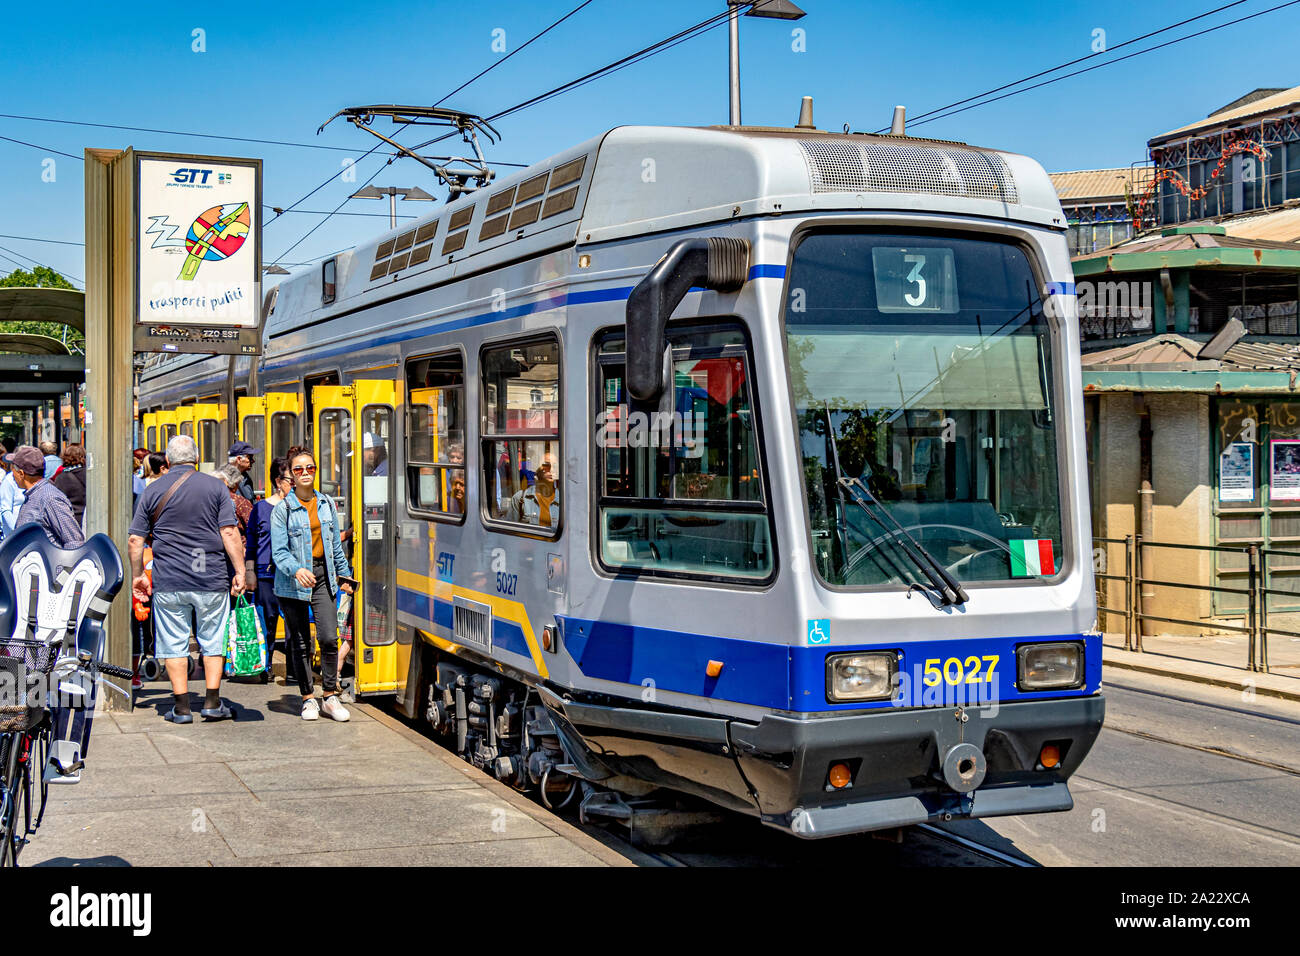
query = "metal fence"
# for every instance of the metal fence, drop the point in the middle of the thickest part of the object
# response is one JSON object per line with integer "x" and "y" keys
{"x": 1258, "y": 590}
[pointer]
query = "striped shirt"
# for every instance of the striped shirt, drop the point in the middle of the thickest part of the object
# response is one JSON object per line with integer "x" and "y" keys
{"x": 50, "y": 508}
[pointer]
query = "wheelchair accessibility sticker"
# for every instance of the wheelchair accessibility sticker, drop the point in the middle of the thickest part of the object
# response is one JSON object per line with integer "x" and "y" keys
{"x": 819, "y": 630}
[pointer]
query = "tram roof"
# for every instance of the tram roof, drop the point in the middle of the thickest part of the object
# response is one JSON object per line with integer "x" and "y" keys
{"x": 638, "y": 180}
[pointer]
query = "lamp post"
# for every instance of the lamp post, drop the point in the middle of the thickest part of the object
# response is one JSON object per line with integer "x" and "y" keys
{"x": 392, "y": 192}
{"x": 766, "y": 9}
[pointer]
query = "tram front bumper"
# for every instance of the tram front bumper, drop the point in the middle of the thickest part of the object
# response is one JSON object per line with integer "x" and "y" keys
{"x": 897, "y": 760}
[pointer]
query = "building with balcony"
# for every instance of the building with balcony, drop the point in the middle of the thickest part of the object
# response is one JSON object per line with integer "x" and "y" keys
{"x": 1191, "y": 354}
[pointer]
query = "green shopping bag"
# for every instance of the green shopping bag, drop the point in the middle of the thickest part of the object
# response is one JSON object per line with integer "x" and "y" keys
{"x": 245, "y": 641}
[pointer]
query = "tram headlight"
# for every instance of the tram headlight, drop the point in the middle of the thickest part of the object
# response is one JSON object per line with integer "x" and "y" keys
{"x": 1054, "y": 666}
{"x": 864, "y": 676}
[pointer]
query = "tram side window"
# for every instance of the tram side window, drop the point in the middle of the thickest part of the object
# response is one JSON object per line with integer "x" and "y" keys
{"x": 151, "y": 437}
{"x": 681, "y": 490}
{"x": 187, "y": 428}
{"x": 435, "y": 435}
{"x": 254, "y": 432}
{"x": 335, "y": 474}
{"x": 283, "y": 433}
{"x": 169, "y": 432}
{"x": 521, "y": 436}
{"x": 208, "y": 451}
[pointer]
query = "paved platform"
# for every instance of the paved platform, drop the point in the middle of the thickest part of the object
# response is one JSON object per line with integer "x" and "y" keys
{"x": 1210, "y": 660}
{"x": 270, "y": 789}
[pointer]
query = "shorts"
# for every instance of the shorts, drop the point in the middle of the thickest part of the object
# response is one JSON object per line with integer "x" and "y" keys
{"x": 171, "y": 622}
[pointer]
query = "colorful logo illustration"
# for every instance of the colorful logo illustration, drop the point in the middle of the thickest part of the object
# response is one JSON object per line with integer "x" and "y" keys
{"x": 217, "y": 233}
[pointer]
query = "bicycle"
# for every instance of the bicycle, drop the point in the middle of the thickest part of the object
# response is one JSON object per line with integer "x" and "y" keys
{"x": 26, "y": 730}
{"x": 52, "y": 606}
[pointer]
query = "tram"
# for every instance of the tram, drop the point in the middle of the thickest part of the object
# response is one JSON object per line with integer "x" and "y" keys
{"x": 738, "y": 463}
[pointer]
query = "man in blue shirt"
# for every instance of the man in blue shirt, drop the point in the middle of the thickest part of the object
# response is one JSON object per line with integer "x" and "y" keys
{"x": 44, "y": 505}
{"x": 374, "y": 455}
{"x": 52, "y": 461}
{"x": 11, "y": 498}
{"x": 192, "y": 522}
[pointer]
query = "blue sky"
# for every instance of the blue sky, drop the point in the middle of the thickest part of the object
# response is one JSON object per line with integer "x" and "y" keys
{"x": 277, "y": 72}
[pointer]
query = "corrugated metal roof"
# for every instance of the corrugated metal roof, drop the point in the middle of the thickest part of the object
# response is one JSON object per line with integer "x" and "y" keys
{"x": 1268, "y": 104}
{"x": 1171, "y": 352}
{"x": 1094, "y": 183}
{"x": 1161, "y": 350}
{"x": 1281, "y": 225}
{"x": 1248, "y": 354}
{"x": 1185, "y": 241}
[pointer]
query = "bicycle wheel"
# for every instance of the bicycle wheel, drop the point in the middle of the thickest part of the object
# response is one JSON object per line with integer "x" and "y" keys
{"x": 22, "y": 825}
{"x": 8, "y": 808}
{"x": 42, "y": 753}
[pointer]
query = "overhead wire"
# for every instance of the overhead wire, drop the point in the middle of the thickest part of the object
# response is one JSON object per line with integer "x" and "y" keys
{"x": 518, "y": 49}
{"x": 690, "y": 33}
{"x": 1081, "y": 59}
{"x": 1159, "y": 46}
{"x": 37, "y": 262}
{"x": 178, "y": 132}
{"x": 57, "y": 242}
{"x": 405, "y": 125}
{"x": 44, "y": 149}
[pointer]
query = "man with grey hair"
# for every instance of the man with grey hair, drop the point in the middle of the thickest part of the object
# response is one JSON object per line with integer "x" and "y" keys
{"x": 233, "y": 478}
{"x": 192, "y": 523}
{"x": 52, "y": 460}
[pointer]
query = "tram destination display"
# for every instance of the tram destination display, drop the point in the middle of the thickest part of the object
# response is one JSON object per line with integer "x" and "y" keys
{"x": 198, "y": 253}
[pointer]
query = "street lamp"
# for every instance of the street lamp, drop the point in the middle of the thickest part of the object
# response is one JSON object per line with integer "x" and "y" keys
{"x": 767, "y": 9}
{"x": 392, "y": 192}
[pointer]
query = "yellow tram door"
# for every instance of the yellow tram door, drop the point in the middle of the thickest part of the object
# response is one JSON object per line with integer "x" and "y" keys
{"x": 250, "y": 426}
{"x": 149, "y": 431}
{"x": 208, "y": 417}
{"x": 185, "y": 420}
{"x": 166, "y": 428}
{"x": 332, "y": 445}
{"x": 282, "y": 426}
{"x": 380, "y": 660}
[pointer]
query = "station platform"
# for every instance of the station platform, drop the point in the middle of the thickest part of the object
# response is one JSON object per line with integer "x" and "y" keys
{"x": 1213, "y": 660}
{"x": 271, "y": 789}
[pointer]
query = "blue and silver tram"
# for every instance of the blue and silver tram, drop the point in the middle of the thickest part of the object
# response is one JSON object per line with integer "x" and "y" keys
{"x": 733, "y": 462}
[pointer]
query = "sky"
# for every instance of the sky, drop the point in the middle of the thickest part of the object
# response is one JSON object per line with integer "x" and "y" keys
{"x": 277, "y": 71}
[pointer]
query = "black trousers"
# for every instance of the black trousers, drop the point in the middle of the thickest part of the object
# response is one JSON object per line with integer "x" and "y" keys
{"x": 270, "y": 606}
{"x": 298, "y": 633}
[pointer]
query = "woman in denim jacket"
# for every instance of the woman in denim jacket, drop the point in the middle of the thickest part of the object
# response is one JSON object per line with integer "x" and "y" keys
{"x": 307, "y": 549}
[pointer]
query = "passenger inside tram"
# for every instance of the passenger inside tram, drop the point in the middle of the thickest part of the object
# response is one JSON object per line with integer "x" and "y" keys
{"x": 374, "y": 455}
{"x": 538, "y": 502}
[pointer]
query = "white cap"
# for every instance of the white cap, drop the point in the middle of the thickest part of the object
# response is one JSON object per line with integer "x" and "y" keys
{"x": 370, "y": 440}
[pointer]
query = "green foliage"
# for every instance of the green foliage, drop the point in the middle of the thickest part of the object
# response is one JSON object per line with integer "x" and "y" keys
{"x": 41, "y": 277}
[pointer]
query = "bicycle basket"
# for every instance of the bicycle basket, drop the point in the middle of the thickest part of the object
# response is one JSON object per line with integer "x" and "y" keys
{"x": 22, "y": 665}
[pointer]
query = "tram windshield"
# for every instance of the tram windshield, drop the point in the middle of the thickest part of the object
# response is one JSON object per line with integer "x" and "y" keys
{"x": 925, "y": 362}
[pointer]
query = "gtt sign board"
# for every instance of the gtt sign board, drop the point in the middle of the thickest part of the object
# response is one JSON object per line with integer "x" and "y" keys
{"x": 198, "y": 253}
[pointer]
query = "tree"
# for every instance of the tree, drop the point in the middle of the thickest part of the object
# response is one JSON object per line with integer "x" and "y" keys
{"x": 42, "y": 277}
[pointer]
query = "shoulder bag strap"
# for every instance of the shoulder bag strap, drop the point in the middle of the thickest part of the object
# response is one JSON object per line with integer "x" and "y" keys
{"x": 162, "y": 503}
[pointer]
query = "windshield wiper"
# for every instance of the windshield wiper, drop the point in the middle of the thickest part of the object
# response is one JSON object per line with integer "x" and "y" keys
{"x": 949, "y": 590}
{"x": 939, "y": 576}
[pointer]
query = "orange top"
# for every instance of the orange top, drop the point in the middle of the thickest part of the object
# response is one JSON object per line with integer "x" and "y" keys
{"x": 317, "y": 545}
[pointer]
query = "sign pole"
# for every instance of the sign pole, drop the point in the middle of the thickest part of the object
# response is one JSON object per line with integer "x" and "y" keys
{"x": 110, "y": 303}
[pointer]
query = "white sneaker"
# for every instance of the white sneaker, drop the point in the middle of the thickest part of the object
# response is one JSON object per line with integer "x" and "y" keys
{"x": 310, "y": 709}
{"x": 332, "y": 708}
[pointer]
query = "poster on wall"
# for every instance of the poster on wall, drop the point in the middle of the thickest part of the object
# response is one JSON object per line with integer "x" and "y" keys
{"x": 1237, "y": 472}
{"x": 198, "y": 253}
{"x": 1284, "y": 480}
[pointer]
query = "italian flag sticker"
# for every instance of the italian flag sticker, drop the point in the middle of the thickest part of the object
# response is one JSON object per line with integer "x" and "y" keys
{"x": 1031, "y": 557}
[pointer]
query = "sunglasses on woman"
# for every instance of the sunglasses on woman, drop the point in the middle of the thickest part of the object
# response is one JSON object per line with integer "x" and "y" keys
{"x": 304, "y": 469}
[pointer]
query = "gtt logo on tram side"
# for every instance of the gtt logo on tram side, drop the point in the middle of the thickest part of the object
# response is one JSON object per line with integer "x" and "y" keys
{"x": 185, "y": 177}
